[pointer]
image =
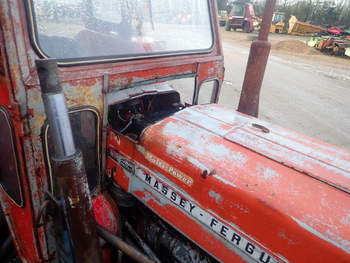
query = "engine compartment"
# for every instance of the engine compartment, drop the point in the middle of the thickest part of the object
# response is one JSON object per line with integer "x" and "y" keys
{"x": 130, "y": 112}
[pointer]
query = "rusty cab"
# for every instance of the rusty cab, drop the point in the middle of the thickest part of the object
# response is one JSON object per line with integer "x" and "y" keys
{"x": 113, "y": 149}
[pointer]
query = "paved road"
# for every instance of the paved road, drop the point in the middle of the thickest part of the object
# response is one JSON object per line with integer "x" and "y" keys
{"x": 305, "y": 95}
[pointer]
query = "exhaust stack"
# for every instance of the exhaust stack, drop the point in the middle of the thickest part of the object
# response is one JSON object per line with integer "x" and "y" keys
{"x": 68, "y": 167}
{"x": 254, "y": 75}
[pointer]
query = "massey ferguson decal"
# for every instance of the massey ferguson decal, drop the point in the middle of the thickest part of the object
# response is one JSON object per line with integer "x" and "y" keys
{"x": 169, "y": 169}
{"x": 215, "y": 224}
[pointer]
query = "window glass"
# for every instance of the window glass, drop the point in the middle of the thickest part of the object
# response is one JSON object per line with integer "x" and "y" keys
{"x": 9, "y": 173}
{"x": 185, "y": 87}
{"x": 238, "y": 10}
{"x": 208, "y": 92}
{"x": 69, "y": 29}
{"x": 85, "y": 127}
{"x": 277, "y": 18}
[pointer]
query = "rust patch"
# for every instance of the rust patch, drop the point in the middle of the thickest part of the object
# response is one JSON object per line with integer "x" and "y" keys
{"x": 85, "y": 92}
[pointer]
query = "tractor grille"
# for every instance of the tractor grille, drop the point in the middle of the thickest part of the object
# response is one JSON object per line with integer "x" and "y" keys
{"x": 237, "y": 21}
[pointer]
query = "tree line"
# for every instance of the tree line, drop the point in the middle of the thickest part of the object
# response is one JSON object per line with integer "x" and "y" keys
{"x": 319, "y": 12}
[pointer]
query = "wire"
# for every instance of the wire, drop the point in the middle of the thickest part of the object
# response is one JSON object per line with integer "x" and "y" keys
{"x": 120, "y": 117}
{"x": 127, "y": 125}
{"x": 150, "y": 102}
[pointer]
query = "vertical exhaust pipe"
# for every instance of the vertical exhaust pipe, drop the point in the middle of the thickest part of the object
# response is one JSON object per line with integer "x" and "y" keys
{"x": 254, "y": 75}
{"x": 68, "y": 167}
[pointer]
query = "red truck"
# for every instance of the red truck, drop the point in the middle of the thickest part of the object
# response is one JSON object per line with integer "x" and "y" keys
{"x": 241, "y": 16}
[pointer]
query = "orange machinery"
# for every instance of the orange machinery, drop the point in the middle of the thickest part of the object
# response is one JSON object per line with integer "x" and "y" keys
{"x": 104, "y": 158}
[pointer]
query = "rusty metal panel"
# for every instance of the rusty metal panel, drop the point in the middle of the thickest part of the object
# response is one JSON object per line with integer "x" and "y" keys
{"x": 82, "y": 86}
{"x": 244, "y": 177}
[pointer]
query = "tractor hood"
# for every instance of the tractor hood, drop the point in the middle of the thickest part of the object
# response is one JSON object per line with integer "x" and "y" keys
{"x": 253, "y": 181}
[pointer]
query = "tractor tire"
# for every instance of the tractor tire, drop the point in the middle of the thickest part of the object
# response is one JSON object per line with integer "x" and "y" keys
{"x": 227, "y": 26}
{"x": 246, "y": 28}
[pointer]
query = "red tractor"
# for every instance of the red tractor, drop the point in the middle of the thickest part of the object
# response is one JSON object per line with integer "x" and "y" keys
{"x": 113, "y": 149}
{"x": 241, "y": 16}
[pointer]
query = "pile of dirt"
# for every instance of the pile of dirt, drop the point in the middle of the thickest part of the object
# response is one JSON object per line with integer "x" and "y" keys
{"x": 293, "y": 46}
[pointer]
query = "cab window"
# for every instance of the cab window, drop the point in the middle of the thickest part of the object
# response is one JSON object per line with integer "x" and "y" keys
{"x": 9, "y": 169}
{"x": 124, "y": 29}
{"x": 85, "y": 126}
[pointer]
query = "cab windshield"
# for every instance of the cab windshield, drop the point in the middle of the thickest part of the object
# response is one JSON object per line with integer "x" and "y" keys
{"x": 74, "y": 29}
{"x": 238, "y": 10}
{"x": 277, "y": 18}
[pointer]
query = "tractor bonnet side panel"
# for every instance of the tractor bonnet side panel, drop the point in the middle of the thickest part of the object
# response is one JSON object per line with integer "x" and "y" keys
{"x": 237, "y": 185}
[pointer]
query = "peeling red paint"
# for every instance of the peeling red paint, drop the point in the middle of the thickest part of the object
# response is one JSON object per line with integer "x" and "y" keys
{"x": 288, "y": 192}
{"x": 106, "y": 213}
{"x": 262, "y": 196}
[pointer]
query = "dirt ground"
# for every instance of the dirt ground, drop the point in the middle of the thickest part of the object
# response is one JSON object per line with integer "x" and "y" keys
{"x": 303, "y": 90}
{"x": 288, "y": 46}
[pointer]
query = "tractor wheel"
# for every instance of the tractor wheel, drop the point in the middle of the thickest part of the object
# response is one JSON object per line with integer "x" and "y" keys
{"x": 246, "y": 28}
{"x": 227, "y": 26}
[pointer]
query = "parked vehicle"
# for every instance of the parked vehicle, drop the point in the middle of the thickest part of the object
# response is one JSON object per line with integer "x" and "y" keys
{"x": 303, "y": 29}
{"x": 241, "y": 16}
{"x": 335, "y": 31}
{"x": 277, "y": 25}
{"x": 104, "y": 157}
